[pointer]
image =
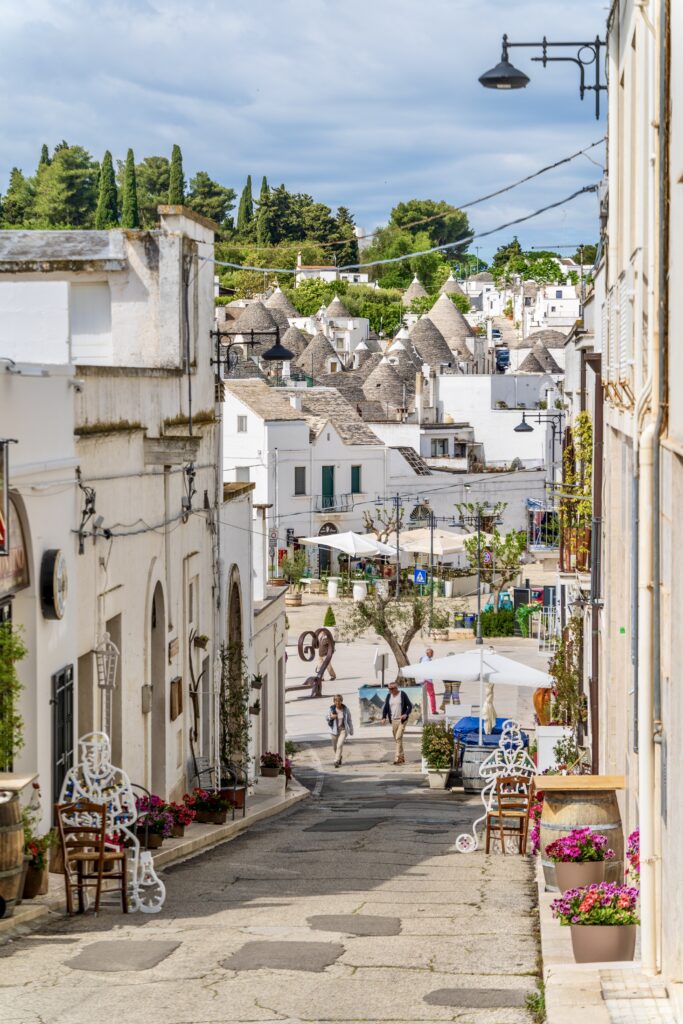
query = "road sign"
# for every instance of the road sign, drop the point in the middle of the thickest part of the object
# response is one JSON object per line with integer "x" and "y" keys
{"x": 487, "y": 556}
{"x": 419, "y": 577}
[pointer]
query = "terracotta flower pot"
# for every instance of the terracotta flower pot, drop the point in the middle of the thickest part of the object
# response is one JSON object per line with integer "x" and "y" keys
{"x": 235, "y": 796}
{"x": 594, "y": 943}
{"x": 269, "y": 772}
{"x": 573, "y": 876}
{"x": 541, "y": 701}
{"x": 35, "y": 883}
{"x": 204, "y": 817}
{"x": 177, "y": 832}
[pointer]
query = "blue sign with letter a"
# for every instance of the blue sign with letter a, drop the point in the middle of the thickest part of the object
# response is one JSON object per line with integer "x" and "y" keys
{"x": 419, "y": 577}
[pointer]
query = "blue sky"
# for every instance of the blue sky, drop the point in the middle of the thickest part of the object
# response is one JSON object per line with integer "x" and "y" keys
{"x": 361, "y": 103}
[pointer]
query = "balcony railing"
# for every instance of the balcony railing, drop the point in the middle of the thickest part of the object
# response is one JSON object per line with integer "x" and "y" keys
{"x": 575, "y": 549}
{"x": 333, "y": 502}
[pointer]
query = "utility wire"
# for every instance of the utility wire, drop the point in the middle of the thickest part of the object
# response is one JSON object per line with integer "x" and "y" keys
{"x": 422, "y": 252}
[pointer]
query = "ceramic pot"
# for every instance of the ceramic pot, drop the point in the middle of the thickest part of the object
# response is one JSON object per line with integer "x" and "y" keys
{"x": 573, "y": 876}
{"x": 269, "y": 772}
{"x": 35, "y": 883}
{"x": 437, "y": 779}
{"x": 595, "y": 943}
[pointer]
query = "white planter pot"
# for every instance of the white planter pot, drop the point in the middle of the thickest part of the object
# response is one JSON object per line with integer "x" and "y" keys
{"x": 271, "y": 787}
{"x": 332, "y": 588}
{"x": 360, "y": 590}
{"x": 448, "y": 588}
{"x": 546, "y": 738}
{"x": 437, "y": 779}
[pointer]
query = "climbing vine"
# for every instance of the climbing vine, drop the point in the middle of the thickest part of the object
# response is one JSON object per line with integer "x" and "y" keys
{"x": 12, "y": 650}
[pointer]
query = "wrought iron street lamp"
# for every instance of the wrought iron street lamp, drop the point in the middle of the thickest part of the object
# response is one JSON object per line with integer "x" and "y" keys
{"x": 588, "y": 55}
{"x": 227, "y": 340}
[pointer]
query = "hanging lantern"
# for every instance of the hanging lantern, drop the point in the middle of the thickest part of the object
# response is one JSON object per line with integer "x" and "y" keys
{"x": 106, "y": 659}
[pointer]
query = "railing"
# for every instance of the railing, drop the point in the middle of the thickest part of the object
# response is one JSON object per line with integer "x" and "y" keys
{"x": 333, "y": 502}
{"x": 575, "y": 549}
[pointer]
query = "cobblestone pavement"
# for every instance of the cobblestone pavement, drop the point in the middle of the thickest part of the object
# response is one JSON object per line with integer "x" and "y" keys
{"x": 354, "y": 907}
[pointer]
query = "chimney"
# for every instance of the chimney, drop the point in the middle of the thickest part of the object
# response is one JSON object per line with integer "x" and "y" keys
{"x": 295, "y": 402}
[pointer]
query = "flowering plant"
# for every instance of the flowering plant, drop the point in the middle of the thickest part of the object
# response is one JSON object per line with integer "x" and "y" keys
{"x": 206, "y": 800}
{"x": 271, "y": 760}
{"x": 181, "y": 814}
{"x": 35, "y": 846}
{"x": 535, "y": 816}
{"x": 633, "y": 854}
{"x": 154, "y": 815}
{"x": 606, "y": 903}
{"x": 579, "y": 846}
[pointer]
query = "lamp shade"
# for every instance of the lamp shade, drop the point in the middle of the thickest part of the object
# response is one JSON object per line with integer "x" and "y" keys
{"x": 277, "y": 354}
{"x": 504, "y": 76}
{"x": 523, "y": 427}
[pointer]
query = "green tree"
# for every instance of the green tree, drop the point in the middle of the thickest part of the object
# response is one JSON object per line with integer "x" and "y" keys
{"x": 397, "y": 622}
{"x": 245, "y": 212}
{"x": 345, "y": 227}
{"x": 503, "y": 255}
{"x": 17, "y": 204}
{"x": 176, "y": 180}
{"x": 209, "y": 198}
{"x": 587, "y": 254}
{"x": 442, "y": 222}
{"x": 107, "y": 213}
{"x": 265, "y": 189}
{"x": 506, "y": 550}
{"x": 130, "y": 216}
{"x": 153, "y": 179}
{"x": 66, "y": 194}
{"x": 44, "y": 156}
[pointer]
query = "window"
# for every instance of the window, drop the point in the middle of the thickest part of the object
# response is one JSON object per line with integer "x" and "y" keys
{"x": 552, "y": 309}
{"x": 242, "y": 474}
{"x": 299, "y": 479}
{"x": 558, "y": 293}
{"x": 333, "y": 366}
{"x": 439, "y": 447}
{"x": 460, "y": 450}
{"x": 241, "y": 424}
{"x": 355, "y": 480}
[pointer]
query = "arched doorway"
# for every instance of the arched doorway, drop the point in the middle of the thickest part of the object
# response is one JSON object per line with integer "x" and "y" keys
{"x": 158, "y": 677}
{"x": 325, "y": 554}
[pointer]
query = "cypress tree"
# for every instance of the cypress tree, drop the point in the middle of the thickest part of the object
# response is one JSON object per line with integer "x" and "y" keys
{"x": 265, "y": 189}
{"x": 130, "y": 216}
{"x": 44, "y": 156}
{"x": 245, "y": 212}
{"x": 176, "y": 183}
{"x": 107, "y": 214}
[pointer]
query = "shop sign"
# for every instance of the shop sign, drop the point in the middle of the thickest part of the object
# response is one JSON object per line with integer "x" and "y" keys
{"x": 14, "y": 563}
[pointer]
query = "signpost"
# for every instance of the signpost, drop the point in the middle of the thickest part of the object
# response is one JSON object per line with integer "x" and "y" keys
{"x": 420, "y": 577}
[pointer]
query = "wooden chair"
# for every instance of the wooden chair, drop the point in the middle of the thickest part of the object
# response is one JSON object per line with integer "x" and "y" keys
{"x": 82, "y": 833}
{"x": 509, "y": 810}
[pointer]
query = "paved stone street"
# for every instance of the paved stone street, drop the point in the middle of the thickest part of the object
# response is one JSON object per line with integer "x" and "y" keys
{"x": 353, "y": 907}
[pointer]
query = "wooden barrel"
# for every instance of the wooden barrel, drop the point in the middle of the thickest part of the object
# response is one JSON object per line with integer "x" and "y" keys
{"x": 11, "y": 854}
{"x": 597, "y": 810}
{"x": 471, "y": 761}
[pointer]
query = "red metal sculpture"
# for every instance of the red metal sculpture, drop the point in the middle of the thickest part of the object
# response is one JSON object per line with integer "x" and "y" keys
{"x": 320, "y": 640}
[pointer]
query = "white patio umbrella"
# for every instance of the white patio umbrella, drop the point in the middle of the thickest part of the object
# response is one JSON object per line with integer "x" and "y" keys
{"x": 350, "y": 543}
{"x": 483, "y": 664}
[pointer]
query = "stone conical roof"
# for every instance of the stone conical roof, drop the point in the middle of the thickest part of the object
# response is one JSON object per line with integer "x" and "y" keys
{"x": 280, "y": 319}
{"x": 451, "y": 287}
{"x": 551, "y": 339}
{"x": 370, "y": 364}
{"x": 337, "y": 310}
{"x": 295, "y": 340}
{"x": 414, "y": 290}
{"x": 452, "y": 324}
{"x": 313, "y": 361}
{"x": 385, "y": 385}
{"x": 402, "y": 361}
{"x": 545, "y": 359}
{"x": 258, "y": 319}
{"x": 530, "y": 364}
{"x": 430, "y": 343}
{"x": 278, "y": 300}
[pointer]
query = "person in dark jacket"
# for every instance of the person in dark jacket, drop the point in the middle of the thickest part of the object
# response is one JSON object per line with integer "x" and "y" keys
{"x": 397, "y": 708}
{"x": 341, "y": 727}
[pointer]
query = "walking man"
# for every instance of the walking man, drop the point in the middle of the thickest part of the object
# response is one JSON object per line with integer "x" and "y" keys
{"x": 397, "y": 708}
{"x": 341, "y": 726}
{"x": 428, "y": 683}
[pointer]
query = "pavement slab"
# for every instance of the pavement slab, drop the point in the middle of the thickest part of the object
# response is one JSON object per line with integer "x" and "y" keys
{"x": 121, "y": 955}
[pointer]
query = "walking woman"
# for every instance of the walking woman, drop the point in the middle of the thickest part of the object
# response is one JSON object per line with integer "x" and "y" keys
{"x": 341, "y": 726}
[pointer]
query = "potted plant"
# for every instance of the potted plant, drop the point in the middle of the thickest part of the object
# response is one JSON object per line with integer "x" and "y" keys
{"x": 579, "y": 858}
{"x": 437, "y": 750}
{"x": 154, "y": 823}
{"x": 293, "y": 570}
{"x": 255, "y": 708}
{"x": 271, "y": 764}
{"x": 633, "y": 855}
{"x": 201, "y": 641}
{"x": 36, "y": 855}
{"x": 256, "y": 682}
{"x": 209, "y": 805}
{"x": 438, "y": 629}
{"x": 603, "y": 920}
{"x": 182, "y": 817}
{"x": 330, "y": 619}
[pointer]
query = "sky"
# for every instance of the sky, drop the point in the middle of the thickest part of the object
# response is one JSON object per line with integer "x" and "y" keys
{"x": 361, "y": 103}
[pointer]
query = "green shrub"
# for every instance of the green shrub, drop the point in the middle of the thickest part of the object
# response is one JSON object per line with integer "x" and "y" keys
{"x": 501, "y": 623}
{"x": 440, "y": 619}
{"x": 437, "y": 745}
{"x": 329, "y": 619}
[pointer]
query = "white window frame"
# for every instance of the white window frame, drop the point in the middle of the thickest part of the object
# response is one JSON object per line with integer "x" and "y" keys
{"x": 242, "y": 424}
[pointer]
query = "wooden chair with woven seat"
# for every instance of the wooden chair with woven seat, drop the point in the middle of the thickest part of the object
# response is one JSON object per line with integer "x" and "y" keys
{"x": 82, "y": 830}
{"x": 509, "y": 811}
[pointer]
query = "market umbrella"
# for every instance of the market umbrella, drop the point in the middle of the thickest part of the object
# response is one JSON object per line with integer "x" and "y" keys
{"x": 483, "y": 664}
{"x": 350, "y": 543}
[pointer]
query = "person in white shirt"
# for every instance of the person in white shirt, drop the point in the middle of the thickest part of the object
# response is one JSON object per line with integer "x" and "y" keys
{"x": 397, "y": 708}
{"x": 341, "y": 726}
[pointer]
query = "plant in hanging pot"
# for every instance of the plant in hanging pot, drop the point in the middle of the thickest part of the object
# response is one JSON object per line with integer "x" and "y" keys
{"x": 255, "y": 708}
{"x": 437, "y": 750}
{"x": 201, "y": 641}
{"x": 271, "y": 764}
{"x": 579, "y": 858}
{"x": 209, "y": 805}
{"x": 256, "y": 682}
{"x": 182, "y": 817}
{"x": 603, "y": 920}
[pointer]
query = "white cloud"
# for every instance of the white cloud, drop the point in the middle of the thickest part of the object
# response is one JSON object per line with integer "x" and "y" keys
{"x": 362, "y": 103}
